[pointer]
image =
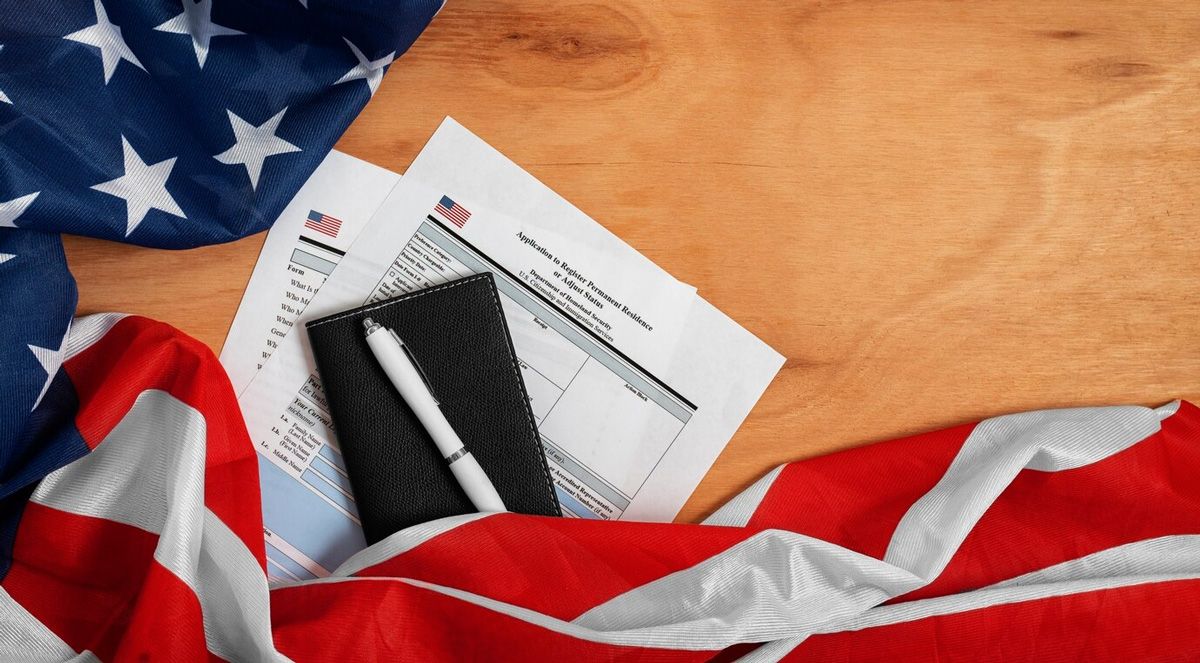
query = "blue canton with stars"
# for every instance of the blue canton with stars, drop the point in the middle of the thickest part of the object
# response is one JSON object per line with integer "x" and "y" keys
{"x": 165, "y": 123}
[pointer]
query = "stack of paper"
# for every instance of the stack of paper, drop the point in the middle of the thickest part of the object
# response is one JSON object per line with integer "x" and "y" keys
{"x": 636, "y": 382}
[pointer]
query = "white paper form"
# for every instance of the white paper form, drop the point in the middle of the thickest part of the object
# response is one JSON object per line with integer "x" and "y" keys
{"x": 303, "y": 246}
{"x": 636, "y": 383}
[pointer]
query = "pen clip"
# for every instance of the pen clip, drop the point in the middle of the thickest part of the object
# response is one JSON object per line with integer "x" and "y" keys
{"x": 420, "y": 369}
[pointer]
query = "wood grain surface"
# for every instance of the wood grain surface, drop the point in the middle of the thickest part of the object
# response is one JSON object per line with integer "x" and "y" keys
{"x": 939, "y": 211}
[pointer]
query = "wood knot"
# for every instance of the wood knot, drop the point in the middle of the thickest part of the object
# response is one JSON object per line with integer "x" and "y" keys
{"x": 1111, "y": 68}
{"x": 582, "y": 47}
{"x": 1065, "y": 35}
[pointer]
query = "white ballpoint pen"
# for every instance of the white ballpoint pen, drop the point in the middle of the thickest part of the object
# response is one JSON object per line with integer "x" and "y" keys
{"x": 402, "y": 370}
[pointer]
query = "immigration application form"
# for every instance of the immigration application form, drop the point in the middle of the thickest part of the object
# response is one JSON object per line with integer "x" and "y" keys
{"x": 636, "y": 383}
{"x": 304, "y": 245}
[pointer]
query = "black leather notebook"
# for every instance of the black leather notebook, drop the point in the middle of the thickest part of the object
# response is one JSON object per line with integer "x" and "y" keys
{"x": 459, "y": 337}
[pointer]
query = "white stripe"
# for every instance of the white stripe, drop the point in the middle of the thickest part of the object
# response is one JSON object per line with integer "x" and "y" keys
{"x": 1152, "y": 560}
{"x": 233, "y": 594}
{"x": 764, "y": 588}
{"x": 769, "y": 586}
{"x": 524, "y": 614}
{"x": 1049, "y": 440}
{"x": 24, "y": 638}
{"x": 149, "y": 473}
{"x": 774, "y": 585}
{"x": 771, "y": 652}
{"x": 738, "y": 511}
{"x": 991, "y": 457}
{"x": 403, "y": 541}
{"x": 793, "y": 549}
{"x": 87, "y": 330}
{"x": 1163, "y": 559}
{"x": 779, "y": 584}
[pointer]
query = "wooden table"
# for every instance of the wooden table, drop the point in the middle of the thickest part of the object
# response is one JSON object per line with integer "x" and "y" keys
{"x": 938, "y": 211}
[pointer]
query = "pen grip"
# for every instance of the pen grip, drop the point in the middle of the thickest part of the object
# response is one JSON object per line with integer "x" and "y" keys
{"x": 475, "y": 484}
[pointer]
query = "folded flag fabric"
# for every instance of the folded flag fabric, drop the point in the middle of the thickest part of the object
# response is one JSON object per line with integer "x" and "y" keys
{"x": 130, "y": 518}
{"x": 1054, "y": 535}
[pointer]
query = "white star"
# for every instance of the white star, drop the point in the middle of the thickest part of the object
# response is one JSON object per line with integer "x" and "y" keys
{"x": 106, "y": 37}
{"x": 5, "y": 257}
{"x": 142, "y": 187}
{"x": 252, "y": 145}
{"x": 370, "y": 71}
{"x": 196, "y": 21}
{"x": 4, "y": 98}
{"x": 51, "y": 361}
{"x": 13, "y": 209}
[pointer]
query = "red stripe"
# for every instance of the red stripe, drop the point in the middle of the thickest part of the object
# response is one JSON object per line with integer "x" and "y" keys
{"x": 1044, "y": 518}
{"x": 516, "y": 558}
{"x": 1140, "y": 623}
{"x": 324, "y": 231}
{"x": 139, "y": 354}
{"x": 164, "y": 604}
{"x": 457, "y": 214}
{"x": 855, "y": 498}
{"x": 95, "y": 584}
{"x": 393, "y": 621}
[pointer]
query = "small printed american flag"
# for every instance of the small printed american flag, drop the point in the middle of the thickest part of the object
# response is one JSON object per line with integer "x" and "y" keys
{"x": 455, "y": 213}
{"x": 323, "y": 223}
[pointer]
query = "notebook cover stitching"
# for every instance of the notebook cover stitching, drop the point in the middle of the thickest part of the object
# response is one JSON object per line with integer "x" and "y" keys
{"x": 512, "y": 354}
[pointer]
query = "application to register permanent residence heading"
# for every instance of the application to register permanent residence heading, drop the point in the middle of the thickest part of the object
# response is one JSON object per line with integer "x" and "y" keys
{"x": 636, "y": 383}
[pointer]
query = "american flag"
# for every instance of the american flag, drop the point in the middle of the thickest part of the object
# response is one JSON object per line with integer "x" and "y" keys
{"x": 1054, "y": 535}
{"x": 323, "y": 223}
{"x": 452, "y": 211}
{"x": 131, "y": 521}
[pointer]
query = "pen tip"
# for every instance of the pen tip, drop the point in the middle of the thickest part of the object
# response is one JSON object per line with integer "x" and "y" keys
{"x": 368, "y": 323}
